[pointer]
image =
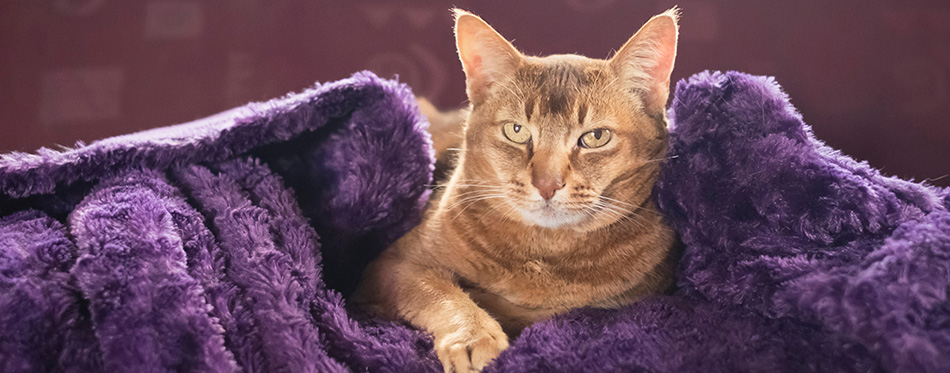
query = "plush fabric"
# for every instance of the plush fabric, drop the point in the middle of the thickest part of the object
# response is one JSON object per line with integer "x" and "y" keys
{"x": 779, "y": 223}
{"x": 195, "y": 247}
{"x": 229, "y": 243}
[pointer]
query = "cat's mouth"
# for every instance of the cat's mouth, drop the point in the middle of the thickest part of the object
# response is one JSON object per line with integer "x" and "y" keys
{"x": 548, "y": 214}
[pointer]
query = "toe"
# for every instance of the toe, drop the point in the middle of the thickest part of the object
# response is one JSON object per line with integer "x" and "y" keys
{"x": 458, "y": 354}
{"x": 486, "y": 350}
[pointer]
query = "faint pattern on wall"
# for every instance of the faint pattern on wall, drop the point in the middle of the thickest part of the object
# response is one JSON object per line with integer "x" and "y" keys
{"x": 872, "y": 77}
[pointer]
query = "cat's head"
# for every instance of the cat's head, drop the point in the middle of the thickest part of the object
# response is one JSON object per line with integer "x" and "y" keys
{"x": 564, "y": 141}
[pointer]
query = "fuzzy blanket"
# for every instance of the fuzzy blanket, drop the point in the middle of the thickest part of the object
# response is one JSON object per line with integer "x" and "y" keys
{"x": 226, "y": 244}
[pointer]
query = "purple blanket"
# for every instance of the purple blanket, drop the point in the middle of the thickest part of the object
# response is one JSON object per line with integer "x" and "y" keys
{"x": 228, "y": 243}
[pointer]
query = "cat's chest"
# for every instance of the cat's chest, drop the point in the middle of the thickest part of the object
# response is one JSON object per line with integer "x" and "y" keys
{"x": 538, "y": 283}
{"x": 555, "y": 272}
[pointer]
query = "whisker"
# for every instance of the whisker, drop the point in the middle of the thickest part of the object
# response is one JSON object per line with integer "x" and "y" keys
{"x": 621, "y": 202}
{"x": 620, "y": 213}
{"x": 472, "y": 196}
{"x": 493, "y": 209}
{"x": 466, "y": 182}
{"x": 487, "y": 190}
{"x": 661, "y": 159}
{"x": 467, "y": 195}
{"x": 479, "y": 186}
{"x": 476, "y": 181}
{"x": 484, "y": 198}
{"x": 507, "y": 216}
{"x": 475, "y": 197}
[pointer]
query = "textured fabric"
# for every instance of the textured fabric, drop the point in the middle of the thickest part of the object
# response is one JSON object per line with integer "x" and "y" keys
{"x": 229, "y": 243}
{"x": 184, "y": 249}
{"x": 777, "y": 222}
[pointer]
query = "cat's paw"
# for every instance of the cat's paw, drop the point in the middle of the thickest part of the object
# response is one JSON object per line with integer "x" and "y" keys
{"x": 470, "y": 349}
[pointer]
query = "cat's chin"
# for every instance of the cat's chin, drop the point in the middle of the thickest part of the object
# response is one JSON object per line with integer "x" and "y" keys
{"x": 552, "y": 218}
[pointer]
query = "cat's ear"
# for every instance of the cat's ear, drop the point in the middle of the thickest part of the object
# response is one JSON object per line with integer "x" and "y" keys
{"x": 645, "y": 62}
{"x": 486, "y": 56}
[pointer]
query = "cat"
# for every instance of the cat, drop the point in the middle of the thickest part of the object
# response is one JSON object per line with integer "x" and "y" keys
{"x": 549, "y": 207}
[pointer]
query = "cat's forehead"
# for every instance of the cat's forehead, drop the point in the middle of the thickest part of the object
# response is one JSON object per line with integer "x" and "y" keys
{"x": 557, "y": 85}
{"x": 565, "y": 71}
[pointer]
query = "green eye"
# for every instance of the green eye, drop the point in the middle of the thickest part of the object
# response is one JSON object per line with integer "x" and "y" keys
{"x": 594, "y": 139}
{"x": 517, "y": 133}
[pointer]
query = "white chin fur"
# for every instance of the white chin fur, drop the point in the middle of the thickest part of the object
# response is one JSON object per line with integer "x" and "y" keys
{"x": 551, "y": 218}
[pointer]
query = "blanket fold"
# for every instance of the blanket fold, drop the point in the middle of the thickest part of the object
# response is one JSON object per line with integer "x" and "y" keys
{"x": 230, "y": 244}
{"x": 43, "y": 322}
{"x": 147, "y": 310}
{"x": 184, "y": 249}
{"x": 776, "y": 221}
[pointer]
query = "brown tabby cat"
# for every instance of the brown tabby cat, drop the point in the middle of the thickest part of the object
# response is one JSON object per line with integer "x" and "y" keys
{"x": 549, "y": 207}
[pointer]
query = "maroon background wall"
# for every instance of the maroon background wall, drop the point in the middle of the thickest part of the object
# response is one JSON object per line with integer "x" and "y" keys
{"x": 872, "y": 76}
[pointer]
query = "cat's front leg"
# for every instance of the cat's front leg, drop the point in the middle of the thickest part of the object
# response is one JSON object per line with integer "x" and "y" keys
{"x": 467, "y": 338}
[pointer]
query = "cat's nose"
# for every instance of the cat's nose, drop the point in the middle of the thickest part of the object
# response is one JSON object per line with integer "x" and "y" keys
{"x": 547, "y": 186}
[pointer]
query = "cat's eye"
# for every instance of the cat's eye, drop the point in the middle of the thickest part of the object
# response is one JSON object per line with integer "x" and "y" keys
{"x": 516, "y": 132}
{"x": 594, "y": 139}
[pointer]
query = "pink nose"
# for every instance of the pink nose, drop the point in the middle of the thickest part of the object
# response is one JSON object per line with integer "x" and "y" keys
{"x": 547, "y": 186}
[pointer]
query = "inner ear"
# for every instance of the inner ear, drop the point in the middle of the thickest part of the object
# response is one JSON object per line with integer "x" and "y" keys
{"x": 486, "y": 56}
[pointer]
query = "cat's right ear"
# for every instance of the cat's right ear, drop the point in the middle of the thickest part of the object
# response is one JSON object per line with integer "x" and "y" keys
{"x": 486, "y": 56}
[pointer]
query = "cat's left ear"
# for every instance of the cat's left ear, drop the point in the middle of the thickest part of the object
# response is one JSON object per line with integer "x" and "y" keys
{"x": 645, "y": 62}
